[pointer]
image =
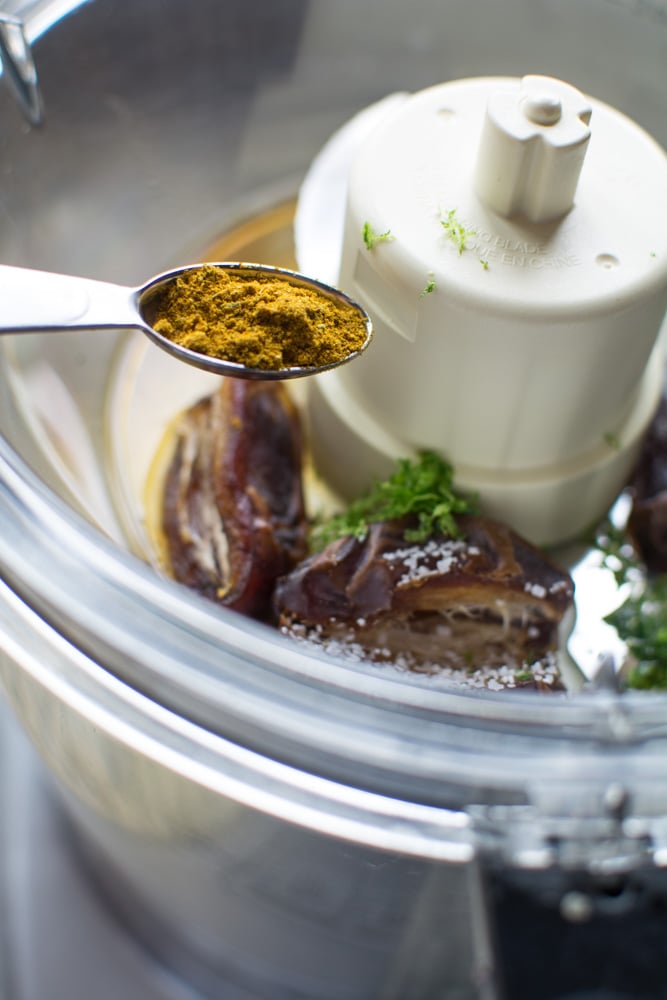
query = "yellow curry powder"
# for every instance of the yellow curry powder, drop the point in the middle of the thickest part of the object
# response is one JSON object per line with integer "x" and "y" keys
{"x": 257, "y": 319}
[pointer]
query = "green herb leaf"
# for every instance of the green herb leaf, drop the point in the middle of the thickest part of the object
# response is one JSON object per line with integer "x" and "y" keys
{"x": 428, "y": 287}
{"x": 456, "y": 231}
{"x": 422, "y": 488}
{"x": 371, "y": 238}
{"x": 618, "y": 553}
{"x": 642, "y": 624}
{"x": 641, "y": 621}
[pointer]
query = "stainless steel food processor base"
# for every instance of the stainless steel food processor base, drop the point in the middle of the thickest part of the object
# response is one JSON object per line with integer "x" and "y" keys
{"x": 57, "y": 938}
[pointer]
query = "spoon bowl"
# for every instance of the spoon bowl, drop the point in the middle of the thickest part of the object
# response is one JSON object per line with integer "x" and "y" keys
{"x": 41, "y": 302}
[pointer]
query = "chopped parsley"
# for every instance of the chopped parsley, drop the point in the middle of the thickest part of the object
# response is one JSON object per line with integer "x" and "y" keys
{"x": 371, "y": 238}
{"x": 641, "y": 621}
{"x": 422, "y": 487}
{"x": 429, "y": 286}
{"x": 618, "y": 553}
{"x": 456, "y": 231}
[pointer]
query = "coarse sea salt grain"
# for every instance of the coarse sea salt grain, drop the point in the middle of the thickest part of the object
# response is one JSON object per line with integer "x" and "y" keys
{"x": 536, "y": 590}
{"x": 435, "y": 558}
{"x": 490, "y": 678}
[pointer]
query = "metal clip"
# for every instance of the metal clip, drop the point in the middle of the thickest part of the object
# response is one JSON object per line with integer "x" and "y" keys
{"x": 19, "y": 68}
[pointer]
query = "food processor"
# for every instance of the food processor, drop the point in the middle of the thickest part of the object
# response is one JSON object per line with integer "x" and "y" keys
{"x": 193, "y": 804}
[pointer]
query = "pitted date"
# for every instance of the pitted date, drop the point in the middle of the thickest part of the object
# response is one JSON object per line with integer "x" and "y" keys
{"x": 233, "y": 514}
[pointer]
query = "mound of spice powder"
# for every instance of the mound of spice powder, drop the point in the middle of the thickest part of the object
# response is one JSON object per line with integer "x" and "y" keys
{"x": 257, "y": 319}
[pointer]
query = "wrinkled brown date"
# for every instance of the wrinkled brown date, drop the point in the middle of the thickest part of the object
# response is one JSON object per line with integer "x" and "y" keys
{"x": 232, "y": 507}
{"x": 484, "y": 598}
{"x": 647, "y": 524}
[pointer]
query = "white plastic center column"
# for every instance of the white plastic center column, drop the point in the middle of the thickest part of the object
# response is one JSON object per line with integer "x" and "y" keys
{"x": 509, "y": 239}
{"x": 532, "y": 149}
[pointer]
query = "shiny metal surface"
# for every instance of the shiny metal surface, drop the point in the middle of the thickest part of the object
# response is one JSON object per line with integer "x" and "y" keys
{"x": 273, "y": 823}
{"x": 19, "y": 67}
{"x": 41, "y": 954}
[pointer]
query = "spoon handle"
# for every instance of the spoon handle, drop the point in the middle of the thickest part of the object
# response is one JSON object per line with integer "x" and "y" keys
{"x": 39, "y": 301}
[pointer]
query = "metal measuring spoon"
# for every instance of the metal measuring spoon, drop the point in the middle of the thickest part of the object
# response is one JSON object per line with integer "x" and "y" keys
{"x": 42, "y": 302}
